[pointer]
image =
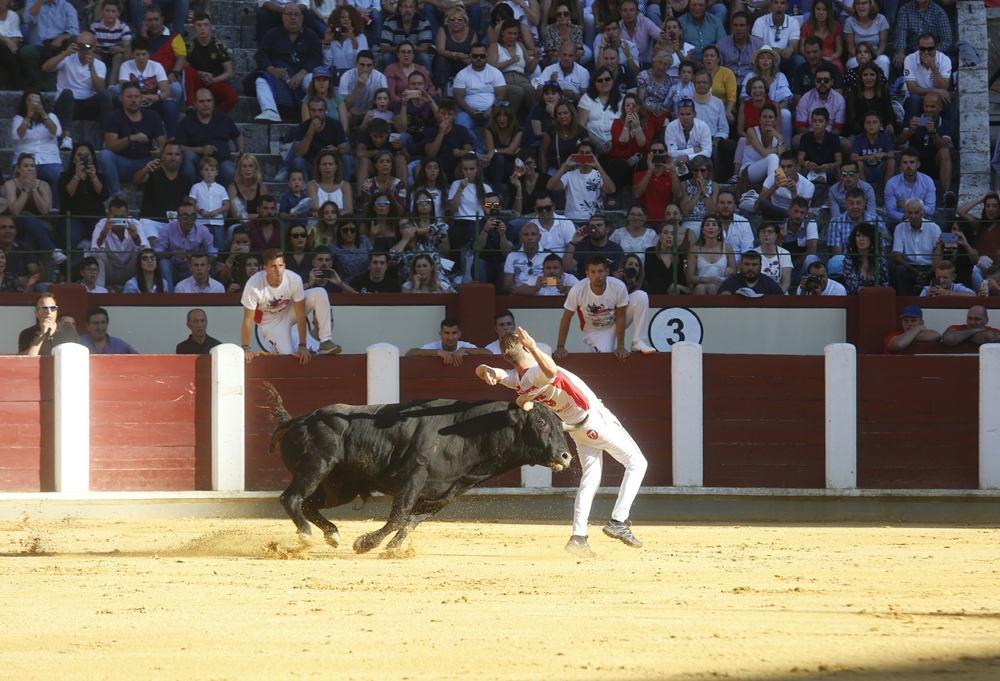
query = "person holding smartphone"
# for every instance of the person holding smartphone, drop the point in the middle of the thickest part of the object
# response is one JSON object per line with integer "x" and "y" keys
{"x": 585, "y": 182}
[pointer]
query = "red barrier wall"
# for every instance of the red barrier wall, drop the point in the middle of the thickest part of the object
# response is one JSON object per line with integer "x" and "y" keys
{"x": 918, "y": 422}
{"x": 325, "y": 380}
{"x": 764, "y": 421}
{"x": 150, "y": 422}
{"x": 26, "y": 439}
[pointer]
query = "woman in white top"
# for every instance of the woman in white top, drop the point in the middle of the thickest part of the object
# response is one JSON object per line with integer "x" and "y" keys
{"x": 672, "y": 41}
{"x": 466, "y": 196}
{"x": 764, "y": 144}
{"x": 10, "y": 33}
{"x": 765, "y": 64}
{"x": 342, "y": 46}
{"x": 328, "y": 185}
{"x": 37, "y": 133}
{"x": 599, "y": 108}
{"x": 775, "y": 261}
{"x": 510, "y": 58}
{"x": 867, "y": 26}
{"x": 711, "y": 260}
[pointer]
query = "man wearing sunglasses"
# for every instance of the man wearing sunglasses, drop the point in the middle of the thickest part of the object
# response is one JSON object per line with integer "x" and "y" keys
{"x": 116, "y": 242}
{"x": 46, "y": 332}
{"x": 555, "y": 230}
{"x": 849, "y": 179}
{"x": 804, "y": 78}
{"x": 178, "y": 240}
{"x": 476, "y": 87}
{"x": 825, "y": 97}
{"x": 926, "y": 70}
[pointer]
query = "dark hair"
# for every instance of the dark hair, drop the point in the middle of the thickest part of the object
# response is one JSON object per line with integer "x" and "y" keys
{"x": 868, "y": 229}
{"x": 94, "y": 311}
{"x": 71, "y": 166}
{"x": 266, "y": 198}
{"x": 856, "y": 193}
{"x": 140, "y": 42}
{"x": 742, "y": 14}
{"x": 476, "y": 45}
{"x": 447, "y": 104}
{"x": 510, "y": 23}
{"x": 151, "y": 8}
{"x": 769, "y": 107}
{"x": 129, "y": 85}
{"x": 800, "y": 202}
{"x": 823, "y": 69}
{"x": 272, "y": 254}
{"x": 365, "y": 53}
{"x": 550, "y": 257}
{"x": 710, "y": 47}
{"x": 197, "y": 254}
{"x": 22, "y": 108}
{"x": 910, "y": 151}
{"x": 420, "y": 179}
{"x": 820, "y": 111}
{"x": 448, "y": 321}
{"x": 788, "y": 156}
{"x": 928, "y": 35}
{"x": 752, "y": 255}
{"x": 614, "y": 96}
{"x": 198, "y": 16}
{"x": 814, "y": 40}
{"x": 140, "y": 277}
{"x": 596, "y": 259}
{"x": 816, "y": 264}
{"x": 425, "y": 193}
{"x": 290, "y": 227}
{"x": 118, "y": 202}
{"x": 506, "y": 312}
{"x": 379, "y": 126}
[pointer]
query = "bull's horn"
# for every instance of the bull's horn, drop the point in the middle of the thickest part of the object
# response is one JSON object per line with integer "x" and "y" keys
{"x": 566, "y": 427}
{"x": 525, "y": 403}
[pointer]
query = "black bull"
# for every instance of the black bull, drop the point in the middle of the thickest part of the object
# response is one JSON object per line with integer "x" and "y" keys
{"x": 423, "y": 453}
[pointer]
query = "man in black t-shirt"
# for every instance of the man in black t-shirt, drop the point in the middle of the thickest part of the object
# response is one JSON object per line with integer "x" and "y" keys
{"x": 46, "y": 333}
{"x": 447, "y": 141}
{"x": 164, "y": 188}
{"x": 318, "y": 134}
{"x": 376, "y": 279}
{"x": 209, "y": 65}
{"x": 199, "y": 342}
{"x": 133, "y": 136}
{"x": 748, "y": 281}
{"x": 624, "y": 78}
{"x": 207, "y": 132}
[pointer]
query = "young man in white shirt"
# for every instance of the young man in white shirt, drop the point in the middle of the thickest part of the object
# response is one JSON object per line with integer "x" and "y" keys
{"x": 476, "y": 87}
{"x": 584, "y": 181}
{"x": 80, "y": 90}
{"x": 358, "y": 86}
{"x": 523, "y": 267}
{"x": 274, "y": 299}
{"x": 451, "y": 348}
{"x": 780, "y": 188}
{"x": 605, "y": 309}
{"x": 592, "y": 426}
{"x": 555, "y": 230}
{"x": 153, "y": 84}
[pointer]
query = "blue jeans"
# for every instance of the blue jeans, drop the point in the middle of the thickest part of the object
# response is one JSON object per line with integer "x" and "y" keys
{"x": 167, "y": 110}
{"x": 189, "y": 168}
{"x": 50, "y": 173}
{"x": 113, "y": 166}
{"x": 31, "y": 230}
{"x": 475, "y": 127}
{"x": 174, "y": 11}
{"x": 172, "y": 274}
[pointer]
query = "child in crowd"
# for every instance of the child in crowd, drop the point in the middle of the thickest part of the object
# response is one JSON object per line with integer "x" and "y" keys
{"x": 212, "y": 199}
{"x": 944, "y": 284}
{"x": 151, "y": 78}
{"x": 291, "y": 199}
{"x": 874, "y": 151}
{"x": 381, "y": 109}
{"x": 819, "y": 150}
{"x": 377, "y": 138}
{"x": 90, "y": 270}
{"x": 430, "y": 178}
{"x": 682, "y": 89}
{"x": 113, "y": 38}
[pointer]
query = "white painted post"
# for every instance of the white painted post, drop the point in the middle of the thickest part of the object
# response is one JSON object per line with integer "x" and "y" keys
{"x": 72, "y": 416}
{"x": 228, "y": 418}
{"x": 687, "y": 412}
{"x": 989, "y": 416}
{"x": 841, "y": 416}
{"x": 383, "y": 373}
{"x": 536, "y": 476}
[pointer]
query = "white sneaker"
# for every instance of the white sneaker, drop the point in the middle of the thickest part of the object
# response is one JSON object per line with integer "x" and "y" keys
{"x": 67, "y": 143}
{"x": 269, "y": 116}
{"x": 58, "y": 257}
{"x": 643, "y": 347}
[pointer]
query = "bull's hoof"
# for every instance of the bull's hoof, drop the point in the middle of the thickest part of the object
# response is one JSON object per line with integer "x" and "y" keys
{"x": 306, "y": 538}
{"x": 364, "y": 544}
{"x": 393, "y": 552}
{"x": 333, "y": 539}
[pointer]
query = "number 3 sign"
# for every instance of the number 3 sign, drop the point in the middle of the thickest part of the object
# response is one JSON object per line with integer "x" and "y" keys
{"x": 674, "y": 325}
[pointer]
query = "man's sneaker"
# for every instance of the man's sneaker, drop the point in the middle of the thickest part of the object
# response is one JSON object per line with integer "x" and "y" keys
{"x": 282, "y": 176}
{"x": 622, "y": 531}
{"x": 329, "y": 348}
{"x": 643, "y": 347}
{"x": 578, "y": 546}
{"x": 67, "y": 143}
{"x": 58, "y": 257}
{"x": 268, "y": 116}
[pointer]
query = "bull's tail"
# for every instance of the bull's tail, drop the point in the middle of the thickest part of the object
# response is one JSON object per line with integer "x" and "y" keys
{"x": 281, "y": 418}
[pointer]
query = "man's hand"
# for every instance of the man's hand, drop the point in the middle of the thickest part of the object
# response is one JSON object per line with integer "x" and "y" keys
{"x": 525, "y": 339}
{"x": 559, "y": 353}
{"x": 248, "y": 354}
{"x": 622, "y": 354}
{"x": 295, "y": 81}
{"x": 206, "y": 77}
{"x": 139, "y": 137}
{"x": 48, "y": 327}
{"x": 898, "y": 58}
{"x": 207, "y": 150}
{"x": 486, "y": 373}
{"x": 304, "y": 355}
{"x": 280, "y": 74}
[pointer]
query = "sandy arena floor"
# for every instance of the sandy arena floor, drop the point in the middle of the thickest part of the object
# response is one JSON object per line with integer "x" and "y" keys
{"x": 225, "y": 599}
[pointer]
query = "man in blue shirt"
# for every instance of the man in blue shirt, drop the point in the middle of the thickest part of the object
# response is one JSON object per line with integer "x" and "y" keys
{"x": 52, "y": 27}
{"x": 908, "y": 184}
{"x": 98, "y": 340}
{"x": 702, "y": 28}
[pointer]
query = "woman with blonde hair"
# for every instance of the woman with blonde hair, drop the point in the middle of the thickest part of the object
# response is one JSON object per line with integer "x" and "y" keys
{"x": 246, "y": 188}
{"x": 454, "y": 42}
{"x": 424, "y": 277}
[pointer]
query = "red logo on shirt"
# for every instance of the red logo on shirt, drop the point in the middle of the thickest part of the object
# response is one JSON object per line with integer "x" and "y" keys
{"x": 592, "y": 434}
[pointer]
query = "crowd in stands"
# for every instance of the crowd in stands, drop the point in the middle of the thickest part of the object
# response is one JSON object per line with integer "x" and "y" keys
{"x": 433, "y": 147}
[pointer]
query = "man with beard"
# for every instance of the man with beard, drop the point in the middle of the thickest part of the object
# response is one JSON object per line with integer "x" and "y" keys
{"x": 164, "y": 188}
{"x": 736, "y": 230}
{"x": 748, "y": 282}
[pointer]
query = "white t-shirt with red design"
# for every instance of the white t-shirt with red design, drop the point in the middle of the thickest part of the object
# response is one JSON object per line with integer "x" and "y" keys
{"x": 596, "y": 312}
{"x": 566, "y": 395}
{"x": 268, "y": 302}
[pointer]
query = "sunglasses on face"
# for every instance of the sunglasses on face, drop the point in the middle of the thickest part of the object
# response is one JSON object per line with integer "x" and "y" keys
{"x": 147, "y": 258}
{"x": 425, "y": 200}
{"x": 492, "y": 204}
{"x": 349, "y": 230}
{"x": 824, "y": 80}
{"x": 382, "y": 202}
{"x": 928, "y": 49}
{"x": 543, "y": 209}
{"x": 299, "y": 235}
{"x": 848, "y": 173}
{"x": 48, "y": 308}
{"x": 477, "y": 56}
{"x": 187, "y": 216}
{"x": 502, "y": 105}
{"x": 562, "y": 14}
{"x": 603, "y": 80}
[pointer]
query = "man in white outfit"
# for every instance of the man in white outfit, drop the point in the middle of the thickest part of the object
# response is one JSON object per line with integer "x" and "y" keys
{"x": 274, "y": 298}
{"x": 536, "y": 378}
{"x": 606, "y": 309}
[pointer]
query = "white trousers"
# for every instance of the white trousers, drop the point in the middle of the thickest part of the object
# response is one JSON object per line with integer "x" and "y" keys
{"x": 602, "y": 433}
{"x": 635, "y": 316}
{"x": 276, "y": 330}
{"x": 761, "y": 169}
{"x": 265, "y": 95}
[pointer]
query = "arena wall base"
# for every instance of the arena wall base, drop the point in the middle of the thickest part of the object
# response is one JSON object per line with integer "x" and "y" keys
{"x": 655, "y": 505}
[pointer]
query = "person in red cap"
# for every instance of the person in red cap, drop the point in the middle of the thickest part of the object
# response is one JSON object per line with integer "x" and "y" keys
{"x": 912, "y": 321}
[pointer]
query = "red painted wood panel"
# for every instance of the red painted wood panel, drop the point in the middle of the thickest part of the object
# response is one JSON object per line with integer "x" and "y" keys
{"x": 26, "y": 434}
{"x": 150, "y": 422}
{"x": 918, "y": 422}
{"x": 303, "y": 389}
{"x": 764, "y": 421}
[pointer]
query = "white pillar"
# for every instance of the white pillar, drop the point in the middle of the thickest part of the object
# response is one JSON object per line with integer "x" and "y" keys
{"x": 686, "y": 407}
{"x": 841, "y": 416}
{"x": 72, "y": 416}
{"x": 989, "y": 416}
{"x": 228, "y": 419}
{"x": 383, "y": 373}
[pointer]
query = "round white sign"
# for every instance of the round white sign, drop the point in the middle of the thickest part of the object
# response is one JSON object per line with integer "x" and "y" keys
{"x": 674, "y": 325}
